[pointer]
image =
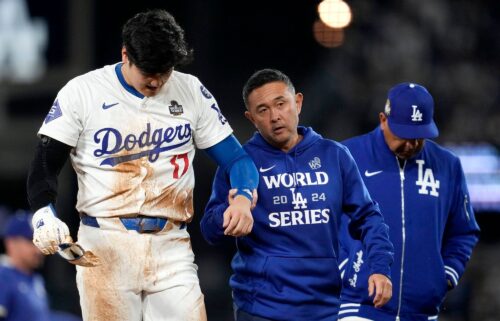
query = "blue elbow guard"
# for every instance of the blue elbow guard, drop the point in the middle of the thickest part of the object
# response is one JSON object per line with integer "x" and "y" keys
{"x": 231, "y": 157}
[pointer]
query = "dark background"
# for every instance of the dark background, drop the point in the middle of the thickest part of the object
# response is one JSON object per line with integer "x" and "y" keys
{"x": 451, "y": 47}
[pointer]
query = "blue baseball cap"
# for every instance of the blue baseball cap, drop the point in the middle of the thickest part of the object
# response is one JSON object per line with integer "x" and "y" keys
{"x": 19, "y": 225}
{"x": 410, "y": 111}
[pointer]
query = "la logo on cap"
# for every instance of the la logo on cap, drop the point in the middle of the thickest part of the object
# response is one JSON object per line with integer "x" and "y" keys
{"x": 417, "y": 115}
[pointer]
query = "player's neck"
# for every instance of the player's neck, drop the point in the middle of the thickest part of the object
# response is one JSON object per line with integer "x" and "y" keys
{"x": 125, "y": 74}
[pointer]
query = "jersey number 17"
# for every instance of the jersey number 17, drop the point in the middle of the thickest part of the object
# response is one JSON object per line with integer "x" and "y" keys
{"x": 175, "y": 160}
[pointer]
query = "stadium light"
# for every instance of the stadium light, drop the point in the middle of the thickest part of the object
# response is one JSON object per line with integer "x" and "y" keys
{"x": 335, "y": 13}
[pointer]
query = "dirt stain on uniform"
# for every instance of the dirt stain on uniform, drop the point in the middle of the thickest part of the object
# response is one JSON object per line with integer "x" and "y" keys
{"x": 183, "y": 240}
{"x": 101, "y": 296}
{"x": 198, "y": 313}
{"x": 127, "y": 180}
{"x": 149, "y": 273}
{"x": 169, "y": 226}
{"x": 179, "y": 203}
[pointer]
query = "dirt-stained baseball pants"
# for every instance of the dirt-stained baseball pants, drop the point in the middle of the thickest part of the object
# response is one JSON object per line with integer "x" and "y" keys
{"x": 150, "y": 277}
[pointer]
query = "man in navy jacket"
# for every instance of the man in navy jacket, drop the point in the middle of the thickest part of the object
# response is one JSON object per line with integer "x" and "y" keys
{"x": 286, "y": 268}
{"x": 423, "y": 196}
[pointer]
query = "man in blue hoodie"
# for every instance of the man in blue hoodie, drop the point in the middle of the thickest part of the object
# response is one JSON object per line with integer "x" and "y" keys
{"x": 286, "y": 268}
{"x": 423, "y": 196}
{"x": 22, "y": 290}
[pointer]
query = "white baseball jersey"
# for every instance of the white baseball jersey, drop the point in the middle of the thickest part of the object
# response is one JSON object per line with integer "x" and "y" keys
{"x": 133, "y": 154}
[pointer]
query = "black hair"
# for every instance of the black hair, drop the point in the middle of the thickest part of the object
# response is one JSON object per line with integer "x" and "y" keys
{"x": 262, "y": 77}
{"x": 155, "y": 42}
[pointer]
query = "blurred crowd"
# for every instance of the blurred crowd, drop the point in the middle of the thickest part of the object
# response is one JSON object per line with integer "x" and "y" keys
{"x": 23, "y": 296}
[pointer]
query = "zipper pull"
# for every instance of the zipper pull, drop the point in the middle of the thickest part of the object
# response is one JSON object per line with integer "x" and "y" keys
{"x": 401, "y": 169}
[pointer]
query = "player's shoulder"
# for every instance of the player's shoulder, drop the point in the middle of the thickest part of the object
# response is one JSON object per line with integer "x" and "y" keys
{"x": 98, "y": 75}
{"x": 330, "y": 144}
{"x": 328, "y": 149}
{"x": 92, "y": 78}
{"x": 327, "y": 145}
{"x": 314, "y": 140}
{"x": 440, "y": 153}
{"x": 357, "y": 140}
{"x": 189, "y": 84}
{"x": 185, "y": 78}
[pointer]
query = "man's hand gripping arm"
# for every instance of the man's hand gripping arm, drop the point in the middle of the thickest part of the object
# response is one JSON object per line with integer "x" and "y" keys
{"x": 244, "y": 178}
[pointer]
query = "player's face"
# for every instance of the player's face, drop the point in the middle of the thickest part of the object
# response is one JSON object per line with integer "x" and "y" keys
{"x": 147, "y": 84}
{"x": 274, "y": 110}
{"x": 403, "y": 148}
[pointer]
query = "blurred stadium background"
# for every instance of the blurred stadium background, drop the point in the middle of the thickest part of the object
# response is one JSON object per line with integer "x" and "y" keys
{"x": 450, "y": 46}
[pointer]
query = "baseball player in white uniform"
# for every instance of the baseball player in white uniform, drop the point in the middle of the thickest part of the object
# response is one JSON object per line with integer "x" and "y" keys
{"x": 131, "y": 130}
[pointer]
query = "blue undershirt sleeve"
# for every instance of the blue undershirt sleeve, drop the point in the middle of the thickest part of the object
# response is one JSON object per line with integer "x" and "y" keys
{"x": 236, "y": 163}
